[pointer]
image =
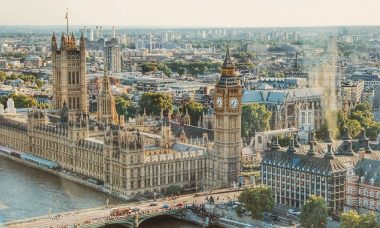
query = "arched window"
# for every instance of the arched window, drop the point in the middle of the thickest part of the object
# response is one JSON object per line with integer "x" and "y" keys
{"x": 78, "y": 77}
{"x": 69, "y": 78}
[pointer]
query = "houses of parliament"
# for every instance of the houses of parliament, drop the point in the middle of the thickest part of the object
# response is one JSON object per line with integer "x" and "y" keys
{"x": 129, "y": 160}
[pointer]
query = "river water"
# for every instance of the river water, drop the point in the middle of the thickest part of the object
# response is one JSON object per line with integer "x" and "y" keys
{"x": 27, "y": 192}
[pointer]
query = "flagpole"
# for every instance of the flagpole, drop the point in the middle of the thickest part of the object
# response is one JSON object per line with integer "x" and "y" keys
{"x": 67, "y": 20}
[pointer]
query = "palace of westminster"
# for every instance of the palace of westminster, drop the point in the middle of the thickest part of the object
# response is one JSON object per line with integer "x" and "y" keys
{"x": 154, "y": 153}
{"x": 138, "y": 159}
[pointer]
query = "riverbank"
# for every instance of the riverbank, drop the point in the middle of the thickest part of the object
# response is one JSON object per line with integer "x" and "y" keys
{"x": 64, "y": 175}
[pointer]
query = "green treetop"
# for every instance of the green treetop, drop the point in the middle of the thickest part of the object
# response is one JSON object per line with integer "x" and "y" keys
{"x": 154, "y": 102}
{"x": 257, "y": 200}
{"x": 314, "y": 213}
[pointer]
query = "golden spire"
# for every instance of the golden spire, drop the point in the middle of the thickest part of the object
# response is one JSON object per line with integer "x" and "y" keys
{"x": 228, "y": 68}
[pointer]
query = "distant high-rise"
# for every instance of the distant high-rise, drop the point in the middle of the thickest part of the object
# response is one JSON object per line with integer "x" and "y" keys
{"x": 150, "y": 42}
{"x": 101, "y": 32}
{"x": 85, "y": 32}
{"x": 112, "y": 52}
{"x": 376, "y": 103}
{"x": 203, "y": 34}
{"x": 97, "y": 35}
{"x": 91, "y": 35}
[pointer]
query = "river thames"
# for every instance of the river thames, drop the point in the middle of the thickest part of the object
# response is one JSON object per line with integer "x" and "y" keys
{"x": 27, "y": 192}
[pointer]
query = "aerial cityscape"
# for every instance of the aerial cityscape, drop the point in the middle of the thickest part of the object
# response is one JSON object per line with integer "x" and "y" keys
{"x": 189, "y": 123}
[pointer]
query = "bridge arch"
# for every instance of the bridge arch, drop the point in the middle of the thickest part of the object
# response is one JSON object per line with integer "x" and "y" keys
{"x": 155, "y": 220}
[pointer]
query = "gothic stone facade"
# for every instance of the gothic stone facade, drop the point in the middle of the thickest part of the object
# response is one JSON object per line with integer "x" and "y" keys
{"x": 128, "y": 161}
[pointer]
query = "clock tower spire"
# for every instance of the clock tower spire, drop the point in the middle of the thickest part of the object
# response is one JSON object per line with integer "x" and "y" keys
{"x": 227, "y": 140}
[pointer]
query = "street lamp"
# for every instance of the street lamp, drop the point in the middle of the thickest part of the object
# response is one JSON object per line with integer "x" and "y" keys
{"x": 107, "y": 201}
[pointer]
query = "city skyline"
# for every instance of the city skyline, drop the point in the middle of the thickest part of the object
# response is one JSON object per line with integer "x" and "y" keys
{"x": 244, "y": 13}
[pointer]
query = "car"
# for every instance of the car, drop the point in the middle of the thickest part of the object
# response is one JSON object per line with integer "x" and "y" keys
{"x": 179, "y": 205}
{"x": 267, "y": 214}
{"x": 247, "y": 213}
{"x": 275, "y": 217}
{"x": 295, "y": 212}
{"x": 153, "y": 204}
{"x": 165, "y": 206}
{"x": 135, "y": 209}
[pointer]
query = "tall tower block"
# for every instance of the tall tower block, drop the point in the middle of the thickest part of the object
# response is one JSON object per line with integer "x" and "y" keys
{"x": 228, "y": 109}
{"x": 69, "y": 74}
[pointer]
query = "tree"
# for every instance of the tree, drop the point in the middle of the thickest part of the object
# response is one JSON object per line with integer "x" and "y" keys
{"x": 154, "y": 102}
{"x": 39, "y": 83}
{"x": 162, "y": 67}
{"x": 173, "y": 190}
{"x": 148, "y": 67}
{"x": 373, "y": 131}
{"x": 182, "y": 71}
{"x": 352, "y": 219}
{"x": 3, "y": 76}
{"x": 354, "y": 127}
{"x": 195, "y": 110}
{"x": 360, "y": 117}
{"x": 23, "y": 101}
{"x": 283, "y": 141}
{"x": 254, "y": 118}
{"x": 314, "y": 213}
{"x": 124, "y": 107}
{"x": 368, "y": 221}
{"x": 257, "y": 200}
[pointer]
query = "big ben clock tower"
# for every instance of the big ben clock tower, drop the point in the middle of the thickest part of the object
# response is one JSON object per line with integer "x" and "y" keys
{"x": 227, "y": 140}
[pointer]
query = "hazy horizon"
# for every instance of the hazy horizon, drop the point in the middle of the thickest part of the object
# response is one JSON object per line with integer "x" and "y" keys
{"x": 195, "y": 13}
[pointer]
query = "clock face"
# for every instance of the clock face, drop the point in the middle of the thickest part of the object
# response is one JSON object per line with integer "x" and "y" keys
{"x": 219, "y": 102}
{"x": 234, "y": 102}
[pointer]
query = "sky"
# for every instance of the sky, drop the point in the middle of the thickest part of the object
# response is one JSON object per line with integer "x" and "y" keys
{"x": 192, "y": 13}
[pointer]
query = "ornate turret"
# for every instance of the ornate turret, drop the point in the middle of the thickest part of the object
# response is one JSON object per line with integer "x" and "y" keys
{"x": 186, "y": 118}
{"x": 329, "y": 138}
{"x": 329, "y": 154}
{"x": 312, "y": 143}
{"x": 63, "y": 42}
{"x": 228, "y": 68}
{"x": 275, "y": 145}
{"x": 106, "y": 102}
{"x": 291, "y": 148}
{"x": 347, "y": 143}
{"x": 54, "y": 45}
{"x": 166, "y": 130}
{"x": 82, "y": 43}
{"x": 364, "y": 142}
{"x": 182, "y": 136}
{"x": 296, "y": 143}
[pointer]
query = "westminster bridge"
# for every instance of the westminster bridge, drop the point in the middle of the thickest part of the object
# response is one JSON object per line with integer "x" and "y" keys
{"x": 100, "y": 216}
